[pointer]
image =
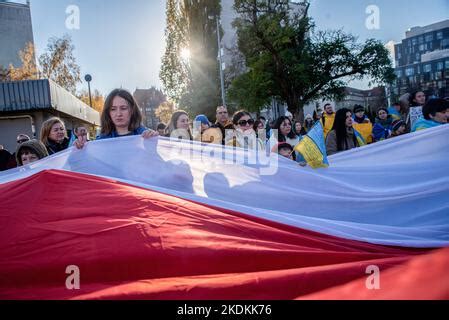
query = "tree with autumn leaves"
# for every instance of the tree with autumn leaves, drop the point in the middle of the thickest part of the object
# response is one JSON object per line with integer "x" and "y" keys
{"x": 58, "y": 64}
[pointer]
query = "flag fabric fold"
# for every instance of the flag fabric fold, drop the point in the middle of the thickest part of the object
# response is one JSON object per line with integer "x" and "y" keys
{"x": 162, "y": 219}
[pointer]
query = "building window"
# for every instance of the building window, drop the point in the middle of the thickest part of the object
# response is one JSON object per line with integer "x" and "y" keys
{"x": 399, "y": 73}
{"x": 438, "y": 75}
{"x": 440, "y": 66}
{"x": 421, "y": 47}
{"x": 446, "y": 64}
{"x": 421, "y": 40}
{"x": 429, "y": 38}
{"x": 414, "y": 41}
{"x": 427, "y": 68}
{"x": 445, "y": 43}
{"x": 418, "y": 57}
{"x": 409, "y": 72}
{"x": 439, "y": 35}
{"x": 418, "y": 69}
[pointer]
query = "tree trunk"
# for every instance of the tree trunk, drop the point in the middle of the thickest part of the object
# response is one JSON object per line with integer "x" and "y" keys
{"x": 296, "y": 106}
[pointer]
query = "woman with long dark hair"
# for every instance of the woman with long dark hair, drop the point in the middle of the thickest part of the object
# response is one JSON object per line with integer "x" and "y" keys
{"x": 298, "y": 129}
{"x": 417, "y": 100}
{"x": 382, "y": 127}
{"x": 308, "y": 123}
{"x": 342, "y": 137}
{"x": 259, "y": 128}
{"x": 285, "y": 132}
{"x": 244, "y": 135}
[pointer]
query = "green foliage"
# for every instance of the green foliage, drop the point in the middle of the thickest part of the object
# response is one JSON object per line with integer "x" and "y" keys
{"x": 287, "y": 60}
{"x": 192, "y": 84}
{"x": 174, "y": 72}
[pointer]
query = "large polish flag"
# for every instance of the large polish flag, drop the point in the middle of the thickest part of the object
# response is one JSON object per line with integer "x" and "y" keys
{"x": 129, "y": 218}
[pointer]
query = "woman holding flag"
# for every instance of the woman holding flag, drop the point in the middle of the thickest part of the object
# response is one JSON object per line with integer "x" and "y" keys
{"x": 343, "y": 136}
{"x": 120, "y": 117}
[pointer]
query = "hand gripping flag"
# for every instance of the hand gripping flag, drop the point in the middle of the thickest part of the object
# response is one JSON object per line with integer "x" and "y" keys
{"x": 312, "y": 147}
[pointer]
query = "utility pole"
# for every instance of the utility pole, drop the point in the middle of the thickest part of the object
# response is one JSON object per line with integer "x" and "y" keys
{"x": 220, "y": 59}
{"x": 88, "y": 78}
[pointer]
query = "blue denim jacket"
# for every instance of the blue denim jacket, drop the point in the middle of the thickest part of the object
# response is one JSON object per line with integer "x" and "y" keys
{"x": 114, "y": 134}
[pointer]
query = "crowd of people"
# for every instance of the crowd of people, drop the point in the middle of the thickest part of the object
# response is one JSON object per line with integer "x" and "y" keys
{"x": 343, "y": 130}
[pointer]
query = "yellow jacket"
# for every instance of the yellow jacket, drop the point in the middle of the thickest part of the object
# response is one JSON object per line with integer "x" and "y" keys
{"x": 328, "y": 122}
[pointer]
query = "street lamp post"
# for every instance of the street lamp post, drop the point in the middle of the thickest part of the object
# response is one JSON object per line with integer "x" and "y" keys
{"x": 88, "y": 78}
{"x": 220, "y": 59}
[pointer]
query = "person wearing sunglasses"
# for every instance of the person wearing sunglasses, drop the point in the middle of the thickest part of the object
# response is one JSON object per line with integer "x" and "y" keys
{"x": 244, "y": 135}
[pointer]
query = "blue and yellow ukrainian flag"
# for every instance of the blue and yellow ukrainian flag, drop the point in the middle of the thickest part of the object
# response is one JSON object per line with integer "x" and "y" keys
{"x": 359, "y": 138}
{"x": 312, "y": 147}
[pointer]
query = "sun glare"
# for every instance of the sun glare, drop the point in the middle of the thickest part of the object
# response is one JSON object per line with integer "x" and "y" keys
{"x": 185, "y": 54}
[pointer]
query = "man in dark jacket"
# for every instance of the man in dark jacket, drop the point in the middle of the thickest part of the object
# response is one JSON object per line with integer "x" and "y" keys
{"x": 223, "y": 122}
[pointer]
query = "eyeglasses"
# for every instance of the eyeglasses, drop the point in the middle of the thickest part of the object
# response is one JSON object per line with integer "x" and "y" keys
{"x": 243, "y": 123}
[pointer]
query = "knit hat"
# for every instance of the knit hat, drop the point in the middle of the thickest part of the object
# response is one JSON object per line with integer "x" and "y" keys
{"x": 203, "y": 119}
{"x": 358, "y": 108}
{"x": 397, "y": 124}
{"x": 382, "y": 108}
{"x": 35, "y": 146}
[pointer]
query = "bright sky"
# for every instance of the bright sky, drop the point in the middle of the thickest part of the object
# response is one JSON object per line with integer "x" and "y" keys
{"x": 120, "y": 43}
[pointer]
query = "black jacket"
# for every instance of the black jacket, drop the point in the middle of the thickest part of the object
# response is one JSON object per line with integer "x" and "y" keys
{"x": 228, "y": 126}
{"x": 54, "y": 147}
